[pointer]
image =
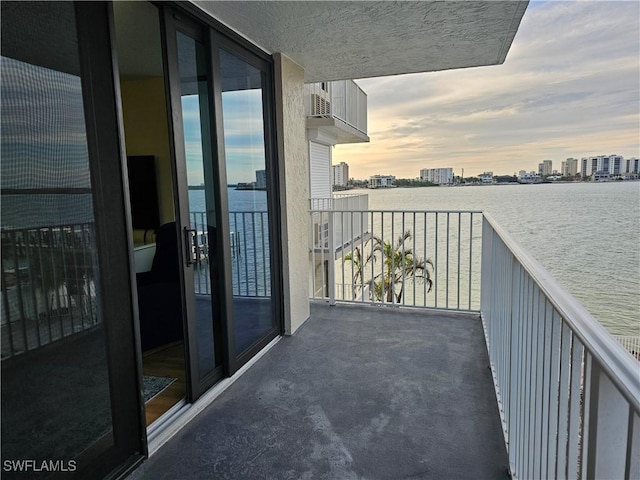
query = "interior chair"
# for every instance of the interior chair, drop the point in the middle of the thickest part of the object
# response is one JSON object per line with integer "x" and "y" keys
{"x": 159, "y": 298}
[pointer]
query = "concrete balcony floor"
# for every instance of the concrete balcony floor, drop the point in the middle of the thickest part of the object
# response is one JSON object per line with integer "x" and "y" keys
{"x": 358, "y": 392}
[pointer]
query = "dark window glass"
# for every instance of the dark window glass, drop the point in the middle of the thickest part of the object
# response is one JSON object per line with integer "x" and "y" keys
{"x": 244, "y": 145}
{"x": 202, "y": 208}
{"x": 55, "y": 381}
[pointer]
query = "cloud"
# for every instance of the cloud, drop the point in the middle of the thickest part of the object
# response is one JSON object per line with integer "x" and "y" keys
{"x": 243, "y": 136}
{"x": 569, "y": 88}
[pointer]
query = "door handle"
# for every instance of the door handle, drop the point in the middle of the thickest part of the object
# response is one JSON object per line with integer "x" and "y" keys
{"x": 189, "y": 247}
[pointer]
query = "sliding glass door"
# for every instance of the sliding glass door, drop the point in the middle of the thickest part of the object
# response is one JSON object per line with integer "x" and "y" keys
{"x": 69, "y": 379}
{"x": 245, "y": 151}
{"x": 220, "y": 102}
{"x": 197, "y": 194}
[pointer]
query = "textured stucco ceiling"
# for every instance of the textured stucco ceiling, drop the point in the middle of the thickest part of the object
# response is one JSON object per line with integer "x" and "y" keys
{"x": 358, "y": 39}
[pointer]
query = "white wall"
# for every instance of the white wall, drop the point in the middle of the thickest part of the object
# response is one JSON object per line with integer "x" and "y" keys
{"x": 293, "y": 182}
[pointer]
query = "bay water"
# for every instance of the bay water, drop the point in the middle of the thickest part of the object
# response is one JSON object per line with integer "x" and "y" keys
{"x": 587, "y": 235}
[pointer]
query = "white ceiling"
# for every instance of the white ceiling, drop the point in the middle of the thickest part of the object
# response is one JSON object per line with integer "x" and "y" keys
{"x": 358, "y": 39}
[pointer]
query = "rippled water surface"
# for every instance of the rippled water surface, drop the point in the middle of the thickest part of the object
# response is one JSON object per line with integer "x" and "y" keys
{"x": 586, "y": 235}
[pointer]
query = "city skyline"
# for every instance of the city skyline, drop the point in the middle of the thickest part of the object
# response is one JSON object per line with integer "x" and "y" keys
{"x": 568, "y": 88}
{"x": 570, "y": 166}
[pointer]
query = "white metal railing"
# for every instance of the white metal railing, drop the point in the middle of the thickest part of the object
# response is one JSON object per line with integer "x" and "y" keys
{"x": 341, "y": 201}
{"x": 341, "y": 99}
{"x": 410, "y": 258}
{"x": 631, "y": 343}
{"x": 345, "y": 228}
{"x": 568, "y": 392}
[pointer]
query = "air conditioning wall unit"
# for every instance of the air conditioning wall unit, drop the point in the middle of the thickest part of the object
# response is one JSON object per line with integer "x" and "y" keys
{"x": 320, "y": 106}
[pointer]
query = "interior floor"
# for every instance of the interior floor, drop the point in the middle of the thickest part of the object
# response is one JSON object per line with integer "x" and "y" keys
{"x": 165, "y": 361}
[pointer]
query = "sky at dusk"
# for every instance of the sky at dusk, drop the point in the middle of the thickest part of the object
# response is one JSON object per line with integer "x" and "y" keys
{"x": 570, "y": 87}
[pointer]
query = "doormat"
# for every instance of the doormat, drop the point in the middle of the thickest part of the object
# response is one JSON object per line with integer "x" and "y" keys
{"x": 152, "y": 386}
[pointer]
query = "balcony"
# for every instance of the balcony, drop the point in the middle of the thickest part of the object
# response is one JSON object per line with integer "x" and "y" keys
{"x": 489, "y": 368}
{"x": 568, "y": 392}
{"x": 346, "y": 228}
{"x": 338, "y": 109}
{"x": 359, "y": 392}
{"x": 392, "y": 381}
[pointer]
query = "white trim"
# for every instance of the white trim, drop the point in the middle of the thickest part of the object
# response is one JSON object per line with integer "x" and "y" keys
{"x": 180, "y": 415}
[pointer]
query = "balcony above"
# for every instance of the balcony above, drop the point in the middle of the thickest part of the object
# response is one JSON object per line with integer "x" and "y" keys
{"x": 336, "y": 112}
{"x": 348, "y": 229}
{"x": 359, "y": 392}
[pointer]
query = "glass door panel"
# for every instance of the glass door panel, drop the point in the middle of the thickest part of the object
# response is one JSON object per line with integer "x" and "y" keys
{"x": 65, "y": 396}
{"x": 196, "y": 181}
{"x": 248, "y": 194}
{"x": 201, "y": 187}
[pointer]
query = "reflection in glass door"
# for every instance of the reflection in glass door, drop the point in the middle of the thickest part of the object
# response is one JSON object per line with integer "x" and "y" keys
{"x": 248, "y": 174}
{"x": 69, "y": 388}
{"x": 223, "y": 173}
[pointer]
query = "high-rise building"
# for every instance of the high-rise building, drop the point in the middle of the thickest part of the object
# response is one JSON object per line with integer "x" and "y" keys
{"x": 633, "y": 165}
{"x": 611, "y": 164}
{"x": 261, "y": 179}
{"x": 569, "y": 167}
{"x": 440, "y": 176}
{"x": 341, "y": 174}
{"x": 545, "y": 168}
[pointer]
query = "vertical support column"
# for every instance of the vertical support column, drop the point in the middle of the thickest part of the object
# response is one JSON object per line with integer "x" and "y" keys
{"x": 331, "y": 279}
{"x": 609, "y": 425}
{"x": 511, "y": 404}
{"x": 293, "y": 182}
{"x": 485, "y": 274}
{"x": 632, "y": 468}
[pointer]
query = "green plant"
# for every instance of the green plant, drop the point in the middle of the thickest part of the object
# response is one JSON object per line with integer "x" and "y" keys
{"x": 397, "y": 264}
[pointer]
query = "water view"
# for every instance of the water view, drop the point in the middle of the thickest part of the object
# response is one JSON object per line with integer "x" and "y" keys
{"x": 585, "y": 234}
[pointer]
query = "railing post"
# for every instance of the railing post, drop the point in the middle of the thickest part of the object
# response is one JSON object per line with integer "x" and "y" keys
{"x": 513, "y": 365}
{"x": 632, "y": 468}
{"x": 608, "y": 433}
{"x": 486, "y": 264}
{"x": 513, "y": 434}
{"x": 331, "y": 279}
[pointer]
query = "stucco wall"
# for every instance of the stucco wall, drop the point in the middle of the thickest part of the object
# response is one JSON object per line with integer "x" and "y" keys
{"x": 294, "y": 189}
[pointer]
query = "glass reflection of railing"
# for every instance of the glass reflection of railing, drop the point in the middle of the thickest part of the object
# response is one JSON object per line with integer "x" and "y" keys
{"x": 250, "y": 254}
{"x": 48, "y": 289}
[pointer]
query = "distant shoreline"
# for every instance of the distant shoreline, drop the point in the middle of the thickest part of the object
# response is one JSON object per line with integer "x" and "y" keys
{"x": 563, "y": 182}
